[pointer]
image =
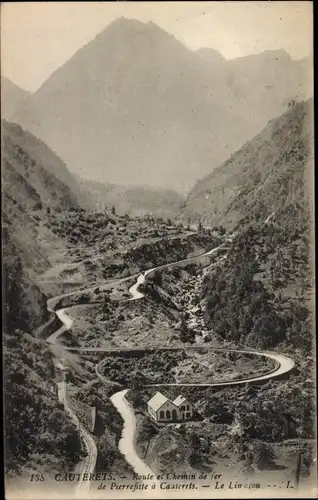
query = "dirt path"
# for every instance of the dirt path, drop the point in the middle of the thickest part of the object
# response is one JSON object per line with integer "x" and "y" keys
{"x": 127, "y": 442}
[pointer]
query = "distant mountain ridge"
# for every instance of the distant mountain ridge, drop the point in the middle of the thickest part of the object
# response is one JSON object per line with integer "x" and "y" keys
{"x": 135, "y": 106}
{"x": 132, "y": 200}
{"x": 12, "y": 97}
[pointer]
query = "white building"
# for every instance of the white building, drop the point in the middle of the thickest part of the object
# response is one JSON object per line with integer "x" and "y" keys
{"x": 161, "y": 409}
{"x": 184, "y": 406}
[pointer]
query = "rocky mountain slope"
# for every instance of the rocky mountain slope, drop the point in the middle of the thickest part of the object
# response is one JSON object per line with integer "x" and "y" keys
{"x": 34, "y": 183}
{"x": 132, "y": 200}
{"x": 265, "y": 192}
{"x": 263, "y": 177}
{"x": 34, "y": 425}
{"x": 261, "y": 295}
{"x": 41, "y": 218}
{"x": 139, "y": 107}
{"x": 12, "y": 97}
{"x": 42, "y": 174}
{"x": 34, "y": 180}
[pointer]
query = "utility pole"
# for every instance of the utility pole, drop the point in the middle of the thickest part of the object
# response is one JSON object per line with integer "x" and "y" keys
{"x": 147, "y": 447}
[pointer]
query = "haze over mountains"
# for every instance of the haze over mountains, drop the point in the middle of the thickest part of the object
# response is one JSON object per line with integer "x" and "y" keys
{"x": 12, "y": 97}
{"x": 134, "y": 106}
{"x": 131, "y": 200}
{"x": 36, "y": 177}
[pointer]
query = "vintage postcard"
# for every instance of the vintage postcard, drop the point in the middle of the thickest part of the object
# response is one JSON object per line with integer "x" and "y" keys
{"x": 158, "y": 250}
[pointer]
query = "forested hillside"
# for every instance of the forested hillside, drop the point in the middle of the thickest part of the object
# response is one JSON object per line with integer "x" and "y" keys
{"x": 262, "y": 297}
{"x": 257, "y": 296}
{"x": 261, "y": 294}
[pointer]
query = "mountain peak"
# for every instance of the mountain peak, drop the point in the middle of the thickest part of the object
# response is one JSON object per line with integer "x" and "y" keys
{"x": 265, "y": 56}
{"x": 140, "y": 107}
{"x": 130, "y": 24}
{"x": 6, "y": 81}
{"x": 121, "y": 29}
{"x": 126, "y": 21}
{"x": 270, "y": 55}
{"x": 278, "y": 53}
{"x": 210, "y": 55}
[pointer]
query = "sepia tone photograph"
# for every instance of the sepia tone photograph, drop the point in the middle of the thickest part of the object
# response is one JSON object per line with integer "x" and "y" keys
{"x": 158, "y": 268}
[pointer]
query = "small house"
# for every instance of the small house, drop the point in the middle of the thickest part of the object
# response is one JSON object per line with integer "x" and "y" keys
{"x": 161, "y": 409}
{"x": 184, "y": 406}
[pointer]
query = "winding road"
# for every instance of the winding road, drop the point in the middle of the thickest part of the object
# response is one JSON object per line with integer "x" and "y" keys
{"x": 126, "y": 444}
{"x": 282, "y": 363}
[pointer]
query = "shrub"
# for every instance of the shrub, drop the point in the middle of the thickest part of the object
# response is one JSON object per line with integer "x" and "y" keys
{"x": 264, "y": 455}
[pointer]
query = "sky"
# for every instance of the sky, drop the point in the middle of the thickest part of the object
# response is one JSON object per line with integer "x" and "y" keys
{"x": 37, "y": 38}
